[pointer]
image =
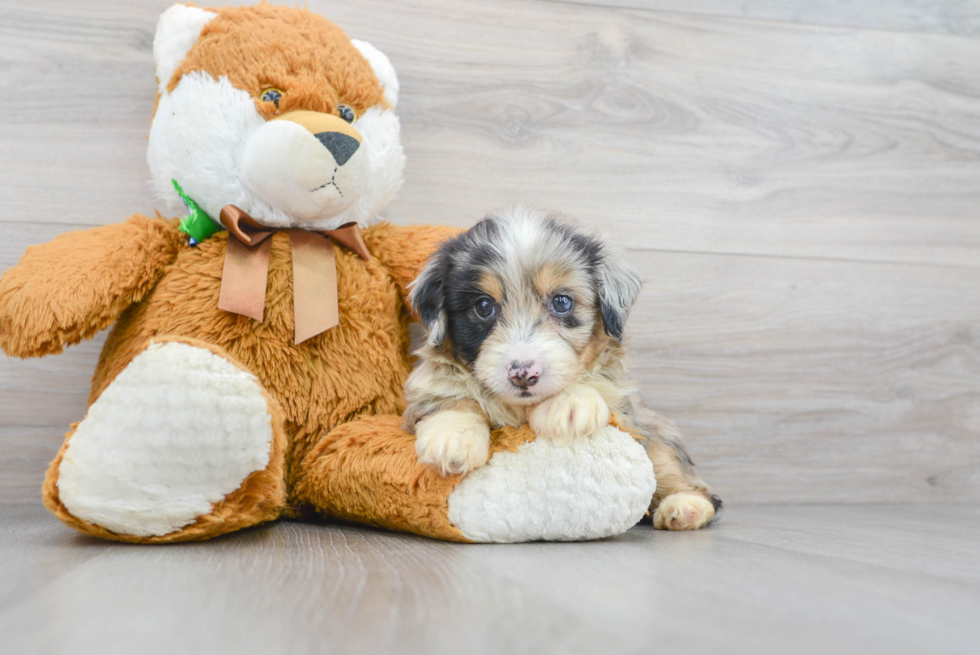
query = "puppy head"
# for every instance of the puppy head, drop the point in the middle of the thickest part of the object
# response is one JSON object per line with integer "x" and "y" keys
{"x": 525, "y": 301}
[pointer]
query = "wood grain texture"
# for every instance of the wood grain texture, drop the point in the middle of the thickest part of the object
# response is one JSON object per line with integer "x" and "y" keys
{"x": 703, "y": 134}
{"x": 802, "y": 199}
{"x": 871, "y": 579}
{"x": 798, "y": 380}
{"x": 957, "y": 17}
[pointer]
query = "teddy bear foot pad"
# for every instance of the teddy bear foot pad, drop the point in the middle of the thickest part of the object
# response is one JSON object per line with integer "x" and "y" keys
{"x": 179, "y": 430}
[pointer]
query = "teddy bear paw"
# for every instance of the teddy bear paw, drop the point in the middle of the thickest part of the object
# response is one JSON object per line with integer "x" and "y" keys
{"x": 179, "y": 429}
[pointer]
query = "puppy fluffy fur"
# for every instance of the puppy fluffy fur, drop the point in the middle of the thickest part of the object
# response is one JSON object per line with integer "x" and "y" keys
{"x": 525, "y": 316}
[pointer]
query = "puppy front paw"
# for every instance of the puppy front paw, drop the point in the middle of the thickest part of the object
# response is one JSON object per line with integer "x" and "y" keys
{"x": 579, "y": 411}
{"x": 683, "y": 511}
{"x": 453, "y": 442}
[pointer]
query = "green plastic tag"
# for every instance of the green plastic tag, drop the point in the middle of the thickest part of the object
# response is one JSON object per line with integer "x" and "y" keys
{"x": 197, "y": 225}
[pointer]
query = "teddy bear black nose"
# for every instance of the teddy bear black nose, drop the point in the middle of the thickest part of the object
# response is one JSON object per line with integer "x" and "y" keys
{"x": 341, "y": 146}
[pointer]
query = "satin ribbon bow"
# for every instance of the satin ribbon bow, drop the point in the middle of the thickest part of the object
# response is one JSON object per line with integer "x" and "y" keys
{"x": 246, "y": 271}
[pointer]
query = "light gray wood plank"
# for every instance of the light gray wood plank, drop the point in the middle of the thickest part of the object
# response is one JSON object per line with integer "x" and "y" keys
{"x": 958, "y": 17}
{"x": 803, "y": 380}
{"x": 27, "y": 451}
{"x": 765, "y": 580}
{"x": 886, "y": 536}
{"x": 52, "y": 391}
{"x": 698, "y": 133}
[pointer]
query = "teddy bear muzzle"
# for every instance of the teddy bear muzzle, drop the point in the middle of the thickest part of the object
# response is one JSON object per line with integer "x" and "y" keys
{"x": 309, "y": 164}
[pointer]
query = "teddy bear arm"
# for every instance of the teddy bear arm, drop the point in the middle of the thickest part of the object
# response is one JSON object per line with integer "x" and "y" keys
{"x": 77, "y": 284}
{"x": 405, "y": 249}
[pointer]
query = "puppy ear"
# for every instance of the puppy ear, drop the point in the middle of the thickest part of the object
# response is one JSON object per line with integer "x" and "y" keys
{"x": 619, "y": 288}
{"x": 427, "y": 297}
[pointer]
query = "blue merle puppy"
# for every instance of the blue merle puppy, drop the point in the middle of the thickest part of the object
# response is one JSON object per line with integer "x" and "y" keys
{"x": 525, "y": 317}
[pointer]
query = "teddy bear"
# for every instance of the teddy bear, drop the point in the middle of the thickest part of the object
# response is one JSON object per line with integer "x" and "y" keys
{"x": 259, "y": 345}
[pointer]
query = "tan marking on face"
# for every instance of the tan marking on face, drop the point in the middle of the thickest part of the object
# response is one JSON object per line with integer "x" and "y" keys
{"x": 491, "y": 285}
{"x": 552, "y": 277}
{"x": 596, "y": 345}
{"x": 308, "y": 58}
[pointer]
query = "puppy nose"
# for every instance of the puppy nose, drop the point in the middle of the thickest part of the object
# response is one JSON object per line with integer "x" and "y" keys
{"x": 341, "y": 146}
{"x": 523, "y": 374}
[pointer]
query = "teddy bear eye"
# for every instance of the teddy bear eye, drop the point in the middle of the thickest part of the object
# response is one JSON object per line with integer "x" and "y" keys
{"x": 346, "y": 113}
{"x": 273, "y": 96}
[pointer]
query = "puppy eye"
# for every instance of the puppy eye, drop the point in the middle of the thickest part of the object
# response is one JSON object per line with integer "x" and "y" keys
{"x": 346, "y": 113}
{"x": 561, "y": 304}
{"x": 273, "y": 96}
{"x": 485, "y": 308}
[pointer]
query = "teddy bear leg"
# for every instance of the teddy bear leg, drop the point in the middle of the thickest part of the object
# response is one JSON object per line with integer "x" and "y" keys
{"x": 531, "y": 489}
{"x": 184, "y": 444}
{"x": 367, "y": 471}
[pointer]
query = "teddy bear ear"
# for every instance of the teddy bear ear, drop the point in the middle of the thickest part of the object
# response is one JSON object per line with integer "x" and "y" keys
{"x": 382, "y": 68}
{"x": 177, "y": 32}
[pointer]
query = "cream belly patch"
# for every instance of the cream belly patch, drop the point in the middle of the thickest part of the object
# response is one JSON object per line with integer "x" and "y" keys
{"x": 556, "y": 490}
{"x": 178, "y": 430}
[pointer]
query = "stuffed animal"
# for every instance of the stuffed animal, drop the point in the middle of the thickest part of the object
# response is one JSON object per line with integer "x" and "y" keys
{"x": 259, "y": 345}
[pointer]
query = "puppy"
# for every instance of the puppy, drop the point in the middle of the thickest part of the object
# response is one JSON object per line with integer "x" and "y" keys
{"x": 525, "y": 317}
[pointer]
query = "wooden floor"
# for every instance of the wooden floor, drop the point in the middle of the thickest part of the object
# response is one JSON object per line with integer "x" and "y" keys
{"x": 817, "y": 579}
{"x": 799, "y": 182}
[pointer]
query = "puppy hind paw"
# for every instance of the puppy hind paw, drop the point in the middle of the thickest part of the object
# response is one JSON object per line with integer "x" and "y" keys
{"x": 453, "y": 442}
{"x": 683, "y": 511}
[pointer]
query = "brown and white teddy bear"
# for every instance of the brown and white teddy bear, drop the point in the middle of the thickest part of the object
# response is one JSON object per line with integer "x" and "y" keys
{"x": 259, "y": 346}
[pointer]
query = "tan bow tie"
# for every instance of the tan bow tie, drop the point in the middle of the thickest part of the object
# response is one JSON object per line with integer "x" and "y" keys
{"x": 246, "y": 272}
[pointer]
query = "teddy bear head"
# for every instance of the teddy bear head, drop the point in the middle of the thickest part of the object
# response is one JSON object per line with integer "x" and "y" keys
{"x": 276, "y": 111}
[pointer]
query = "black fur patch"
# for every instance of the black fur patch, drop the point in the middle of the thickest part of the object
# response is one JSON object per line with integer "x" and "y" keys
{"x": 569, "y": 320}
{"x": 428, "y": 293}
{"x": 612, "y": 319}
{"x": 467, "y": 331}
{"x": 455, "y": 288}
